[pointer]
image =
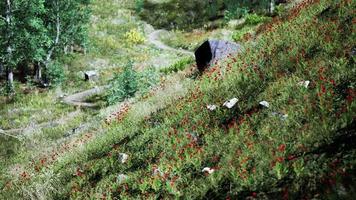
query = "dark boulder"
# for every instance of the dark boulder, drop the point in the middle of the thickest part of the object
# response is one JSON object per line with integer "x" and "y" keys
{"x": 214, "y": 50}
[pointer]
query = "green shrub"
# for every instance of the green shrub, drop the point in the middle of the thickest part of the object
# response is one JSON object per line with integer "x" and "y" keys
{"x": 235, "y": 13}
{"x": 139, "y": 5}
{"x": 239, "y": 34}
{"x": 123, "y": 85}
{"x": 178, "y": 66}
{"x": 253, "y": 19}
{"x": 147, "y": 78}
{"x": 55, "y": 73}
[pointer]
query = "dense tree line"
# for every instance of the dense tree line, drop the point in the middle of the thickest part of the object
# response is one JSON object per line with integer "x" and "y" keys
{"x": 192, "y": 14}
{"x": 33, "y": 33}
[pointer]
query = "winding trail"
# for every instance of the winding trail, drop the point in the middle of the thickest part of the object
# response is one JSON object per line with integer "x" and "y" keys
{"x": 78, "y": 99}
{"x": 154, "y": 38}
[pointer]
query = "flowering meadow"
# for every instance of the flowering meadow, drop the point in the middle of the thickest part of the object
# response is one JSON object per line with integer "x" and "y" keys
{"x": 276, "y": 121}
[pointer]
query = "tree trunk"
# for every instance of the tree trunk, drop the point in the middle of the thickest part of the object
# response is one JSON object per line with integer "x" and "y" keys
{"x": 38, "y": 72}
{"x": 10, "y": 78}
{"x": 272, "y": 7}
{"x": 1, "y": 69}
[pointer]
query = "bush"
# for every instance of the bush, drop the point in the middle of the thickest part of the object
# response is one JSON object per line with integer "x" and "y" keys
{"x": 134, "y": 36}
{"x": 253, "y": 19}
{"x": 139, "y": 5}
{"x": 148, "y": 78}
{"x": 239, "y": 34}
{"x": 123, "y": 85}
{"x": 178, "y": 66}
{"x": 235, "y": 13}
{"x": 54, "y": 74}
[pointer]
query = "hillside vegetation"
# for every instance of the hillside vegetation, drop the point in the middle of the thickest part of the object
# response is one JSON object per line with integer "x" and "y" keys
{"x": 301, "y": 145}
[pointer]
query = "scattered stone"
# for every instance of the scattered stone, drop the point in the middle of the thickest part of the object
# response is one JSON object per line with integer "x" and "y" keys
{"x": 122, "y": 178}
{"x": 212, "y": 107}
{"x": 91, "y": 75}
{"x": 123, "y": 157}
{"x": 208, "y": 170}
{"x": 230, "y": 103}
{"x": 304, "y": 83}
{"x": 264, "y": 103}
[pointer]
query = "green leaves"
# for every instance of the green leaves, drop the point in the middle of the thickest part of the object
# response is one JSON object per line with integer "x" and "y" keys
{"x": 123, "y": 85}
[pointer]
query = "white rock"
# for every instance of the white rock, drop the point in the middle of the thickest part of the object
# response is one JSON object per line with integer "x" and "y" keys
{"x": 208, "y": 170}
{"x": 304, "y": 83}
{"x": 122, "y": 177}
{"x": 264, "y": 103}
{"x": 123, "y": 157}
{"x": 231, "y": 103}
{"x": 212, "y": 107}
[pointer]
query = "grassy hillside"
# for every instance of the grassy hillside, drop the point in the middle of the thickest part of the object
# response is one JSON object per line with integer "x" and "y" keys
{"x": 301, "y": 147}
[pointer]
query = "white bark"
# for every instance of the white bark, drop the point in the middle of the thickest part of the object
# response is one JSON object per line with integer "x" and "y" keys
{"x": 38, "y": 75}
{"x": 10, "y": 77}
{"x": 56, "y": 40}
{"x": 272, "y": 6}
{"x": 10, "y": 74}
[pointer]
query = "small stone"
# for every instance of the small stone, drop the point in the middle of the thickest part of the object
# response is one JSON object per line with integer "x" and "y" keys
{"x": 91, "y": 75}
{"x": 122, "y": 178}
{"x": 264, "y": 103}
{"x": 123, "y": 157}
{"x": 231, "y": 103}
{"x": 212, "y": 107}
{"x": 208, "y": 170}
{"x": 304, "y": 83}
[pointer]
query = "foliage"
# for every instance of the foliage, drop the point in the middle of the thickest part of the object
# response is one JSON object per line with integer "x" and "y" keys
{"x": 36, "y": 31}
{"x": 178, "y": 66}
{"x": 235, "y": 13}
{"x": 253, "y": 19}
{"x": 55, "y": 73}
{"x": 238, "y": 35}
{"x": 134, "y": 36}
{"x": 300, "y": 147}
{"x": 188, "y": 15}
{"x": 147, "y": 79}
{"x": 139, "y": 5}
{"x": 123, "y": 85}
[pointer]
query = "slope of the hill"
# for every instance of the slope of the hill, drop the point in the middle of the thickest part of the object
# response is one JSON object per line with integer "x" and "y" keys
{"x": 301, "y": 145}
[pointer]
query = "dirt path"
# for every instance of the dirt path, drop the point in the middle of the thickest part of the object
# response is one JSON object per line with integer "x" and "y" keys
{"x": 154, "y": 38}
{"x": 78, "y": 99}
